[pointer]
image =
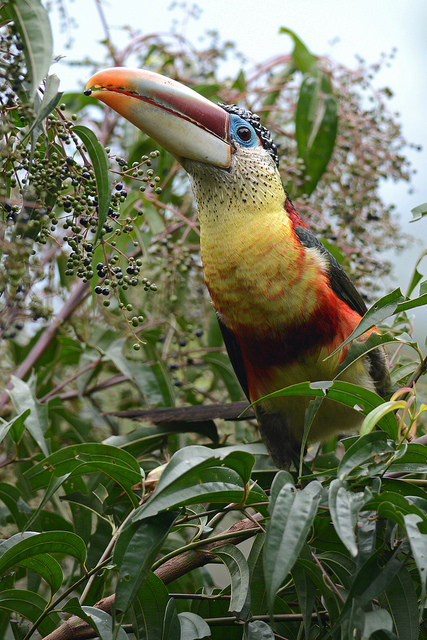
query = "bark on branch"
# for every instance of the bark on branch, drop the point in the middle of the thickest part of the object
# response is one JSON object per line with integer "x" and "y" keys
{"x": 75, "y": 629}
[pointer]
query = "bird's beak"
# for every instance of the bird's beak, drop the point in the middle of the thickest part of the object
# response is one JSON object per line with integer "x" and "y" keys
{"x": 182, "y": 121}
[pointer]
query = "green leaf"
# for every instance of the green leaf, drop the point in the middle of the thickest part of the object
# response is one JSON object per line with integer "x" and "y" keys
{"x": 376, "y": 620}
{"x": 373, "y": 578}
{"x": 50, "y": 99}
{"x": 376, "y": 415}
{"x": 258, "y": 630}
{"x": 401, "y": 601}
{"x": 306, "y": 591}
{"x": 316, "y": 124}
{"x": 291, "y": 520}
{"x": 47, "y": 567}
{"x": 11, "y": 497}
{"x": 149, "y": 608}
{"x": 147, "y": 437}
{"x": 418, "y": 543}
{"x": 141, "y": 375}
{"x": 413, "y": 460}
{"x": 99, "y": 620}
{"x": 412, "y": 304}
{"x": 220, "y": 364}
{"x": 193, "y": 475}
{"x": 280, "y": 480}
{"x": 33, "y": 25}
{"x": 416, "y": 275}
{"x": 359, "y": 398}
{"x": 15, "y": 426}
{"x": 36, "y": 422}
{"x": 419, "y": 212}
{"x": 74, "y": 608}
{"x": 134, "y": 552}
{"x": 193, "y": 627}
{"x": 238, "y": 569}
{"x": 29, "y": 605}
{"x": 99, "y": 159}
{"x": 380, "y": 310}
{"x": 87, "y": 458}
{"x": 363, "y": 450}
{"x": 399, "y": 506}
{"x": 22, "y": 546}
{"x": 305, "y": 61}
{"x": 344, "y": 507}
{"x": 171, "y": 624}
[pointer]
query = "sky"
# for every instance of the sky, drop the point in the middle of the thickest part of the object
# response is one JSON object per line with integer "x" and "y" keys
{"x": 340, "y": 29}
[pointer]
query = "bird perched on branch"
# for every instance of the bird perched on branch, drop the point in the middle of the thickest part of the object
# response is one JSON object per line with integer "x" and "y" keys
{"x": 283, "y": 302}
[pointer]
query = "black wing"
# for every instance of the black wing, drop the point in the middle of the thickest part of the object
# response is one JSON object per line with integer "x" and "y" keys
{"x": 345, "y": 290}
{"x": 341, "y": 284}
{"x": 235, "y": 355}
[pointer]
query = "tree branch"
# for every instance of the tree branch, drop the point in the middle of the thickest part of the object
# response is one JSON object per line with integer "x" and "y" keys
{"x": 78, "y": 294}
{"x": 75, "y": 629}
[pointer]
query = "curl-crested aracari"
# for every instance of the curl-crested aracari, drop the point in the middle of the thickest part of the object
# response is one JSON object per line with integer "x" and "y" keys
{"x": 283, "y": 302}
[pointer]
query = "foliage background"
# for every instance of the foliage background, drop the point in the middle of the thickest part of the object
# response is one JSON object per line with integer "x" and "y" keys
{"x": 104, "y": 316}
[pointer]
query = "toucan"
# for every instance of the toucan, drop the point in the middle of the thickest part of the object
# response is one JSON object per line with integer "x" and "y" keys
{"x": 283, "y": 302}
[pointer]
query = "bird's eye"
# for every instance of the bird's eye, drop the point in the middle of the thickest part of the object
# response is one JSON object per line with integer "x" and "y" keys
{"x": 244, "y": 133}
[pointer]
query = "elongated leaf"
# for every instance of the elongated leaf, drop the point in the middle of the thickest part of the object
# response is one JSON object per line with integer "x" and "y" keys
{"x": 193, "y": 627}
{"x": 359, "y": 398}
{"x": 374, "y": 417}
{"x": 376, "y": 620}
{"x": 413, "y": 459}
{"x": 217, "y": 484}
{"x": 401, "y": 600}
{"x": 149, "y": 608}
{"x": 135, "y": 550}
{"x": 418, "y": 542}
{"x": 373, "y": 578}
{"x": 344, "y": 507}
{"x": 33, "y": 25}
{"x": 416, "y": 275}
{"x": 316, "y": 125}
{"x": 292, "y": 517}
{"x": 280, "y": 480}
{"x": 29, "y": 605}
{"x": 47, "y": 567}
{"x": 363, "y": 450}
{"x": 103, "y": 179}
{"x": 259, "y": 630}
{"x": 145, "y": 438}
{"x": 53, "y": 486}
{"x": 220, "y": 364}
{"x": 12, "y": 498}
{"x": 171, "y": 624}
{"x": 380, "y": 310}
{"x": 142, "y": 376}
{"x": 51, "y": 97}
{"x": 193, "y": 475}
{"x": 419, "y": 211}
{"x": 14, "y": 426}
{"x": 306, "y": 592}
{"x": 412, "y": 304}
{"x": 238, "y": 569}
{"x": 23, "y": 546}
{"x": 99, "y": 620}
{"x": 304, "y": 60}
{"x": 36, "y": 422}
{"x": 399, "y": 504}
{"x": 84, "y": 459}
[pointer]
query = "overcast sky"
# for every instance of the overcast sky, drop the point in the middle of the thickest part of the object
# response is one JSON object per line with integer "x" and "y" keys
{"x": 338, "y": 28}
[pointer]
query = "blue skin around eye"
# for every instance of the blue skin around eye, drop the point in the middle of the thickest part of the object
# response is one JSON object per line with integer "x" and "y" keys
{"x": 235, "y": 123}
